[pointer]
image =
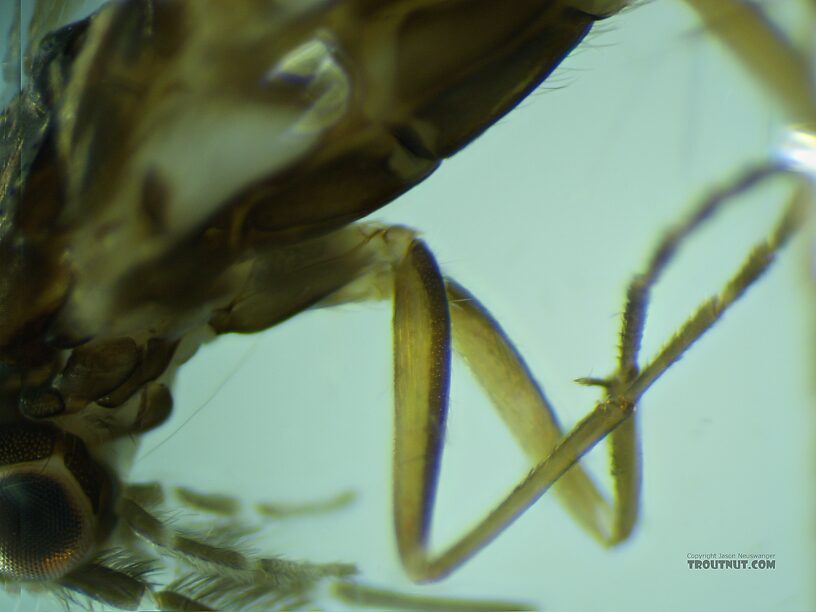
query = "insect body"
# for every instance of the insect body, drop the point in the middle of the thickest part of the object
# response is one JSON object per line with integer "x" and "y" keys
{"x": 147, "y": 249}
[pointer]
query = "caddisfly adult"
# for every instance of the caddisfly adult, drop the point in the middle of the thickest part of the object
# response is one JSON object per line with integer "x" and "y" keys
{"x": 179, "y": 168}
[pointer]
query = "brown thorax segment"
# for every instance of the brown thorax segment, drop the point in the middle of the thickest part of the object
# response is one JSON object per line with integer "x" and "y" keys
{"x": 343, "y": 106}
{"x": 353, "y": 104}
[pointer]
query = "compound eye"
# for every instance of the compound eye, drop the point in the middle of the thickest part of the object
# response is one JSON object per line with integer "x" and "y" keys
{"x": 44, "y": 528}
{"x": 52, "y": 495}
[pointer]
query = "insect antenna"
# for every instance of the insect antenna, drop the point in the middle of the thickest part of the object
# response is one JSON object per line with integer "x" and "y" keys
{"x": 216, "y": 572}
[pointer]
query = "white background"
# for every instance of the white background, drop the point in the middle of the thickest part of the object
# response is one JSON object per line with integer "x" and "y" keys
{"x": 546, "y": 218}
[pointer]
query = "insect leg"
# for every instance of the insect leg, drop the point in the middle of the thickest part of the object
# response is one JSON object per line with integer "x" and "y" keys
{"x": 424, "y": 309}
{"x": 367, "y": 262}
{"x": 427, "y": 309}
{"x": 774, "y": 61}
{"x": 432, "y": 316}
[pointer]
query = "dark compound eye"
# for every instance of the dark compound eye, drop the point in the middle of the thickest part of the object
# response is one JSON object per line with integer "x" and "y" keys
{"x": 43, "y": 530}
{"x": 52, "y": 502}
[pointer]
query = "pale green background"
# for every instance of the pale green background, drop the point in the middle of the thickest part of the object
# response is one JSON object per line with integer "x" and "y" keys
{"x": 545, "y": 219}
